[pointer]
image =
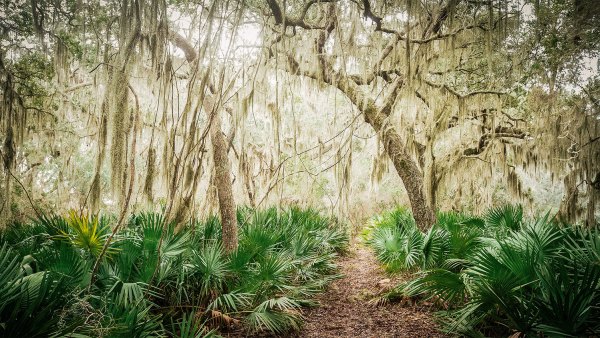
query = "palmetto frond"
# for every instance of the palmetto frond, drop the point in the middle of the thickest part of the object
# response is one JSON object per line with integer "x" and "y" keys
{"x": 284, "y": 257}
{"x": 275, "y": 314}
{"x": 532, "y": 276}
{"x": 509, "y": 216}
{"x": 88, "y": 233}
{"x": 209, "y": 266}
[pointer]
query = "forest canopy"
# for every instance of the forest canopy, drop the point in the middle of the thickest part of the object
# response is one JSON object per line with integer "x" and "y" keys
{"x": 119, "y": 106}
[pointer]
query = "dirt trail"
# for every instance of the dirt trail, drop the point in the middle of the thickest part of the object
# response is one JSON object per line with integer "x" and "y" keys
{"x": 345, "y": 310}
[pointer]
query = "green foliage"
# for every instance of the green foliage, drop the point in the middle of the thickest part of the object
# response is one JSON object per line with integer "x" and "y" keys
{"x": 156, "y": 281}
{"x": 88, "y": 233}
{"x": 28, "y": 300}
{"x": 507, "y": 216}
{"x": 190, "y": 327}
{"x": 396, "y": 240}
{"x": 501, "y": 273}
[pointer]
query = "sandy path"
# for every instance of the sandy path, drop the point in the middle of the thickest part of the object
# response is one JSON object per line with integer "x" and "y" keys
{"x": 345, "y": 310}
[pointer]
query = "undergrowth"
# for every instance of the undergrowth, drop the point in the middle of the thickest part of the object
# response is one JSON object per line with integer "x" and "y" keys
{"x": 156, "y": 281}
{"x": 498, "y": 274}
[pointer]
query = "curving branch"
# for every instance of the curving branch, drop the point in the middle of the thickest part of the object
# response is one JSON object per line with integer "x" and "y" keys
{"x": 435, "y": 25}
{"x": 386, "y": 75}
{"x": 431, "y": 33}
{"x": 378, "y": 117}
{"x": 499, "y": 133}
{"x": 368, "y": 13}
{"x": 282, "y": 19}
{"x": 182, "y": 43}
{"x": 454, "y": 92}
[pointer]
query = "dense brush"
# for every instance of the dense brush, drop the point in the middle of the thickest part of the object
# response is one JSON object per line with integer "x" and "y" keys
{"x": 156, "y": 281}
{"x": 499, "y": 273}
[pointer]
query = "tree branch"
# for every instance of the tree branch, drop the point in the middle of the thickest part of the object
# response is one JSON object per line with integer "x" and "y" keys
{"x": 499, "y": 133}
{"x": 282, "y": 19}
{"x": 459, "y": 95}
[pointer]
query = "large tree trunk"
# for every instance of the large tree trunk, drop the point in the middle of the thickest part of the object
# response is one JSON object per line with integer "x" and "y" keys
{"x": 429, "y": 175}
{"x": 590, "y": 218}
{"x": 568, "y": 206}
{"x": 405, "y": 165}
{"x": 376, "y": 115}
{"x": 222, "y": 177}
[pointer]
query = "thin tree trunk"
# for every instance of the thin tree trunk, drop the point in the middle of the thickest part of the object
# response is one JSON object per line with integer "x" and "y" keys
{"x": 220, "y": 147}
{"x": 222, "y": 177}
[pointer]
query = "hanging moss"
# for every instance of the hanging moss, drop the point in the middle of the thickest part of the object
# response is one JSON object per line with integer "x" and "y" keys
{"x": 94, "y": 193}
{"x": 150, "y": 174}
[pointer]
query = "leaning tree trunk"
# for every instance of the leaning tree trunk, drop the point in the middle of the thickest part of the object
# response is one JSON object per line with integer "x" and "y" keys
{"x": 375, "y": 115}
{"x": 378, "y": 117}
{"x": 406, "y": 166}
{"x": 222, "y": 177}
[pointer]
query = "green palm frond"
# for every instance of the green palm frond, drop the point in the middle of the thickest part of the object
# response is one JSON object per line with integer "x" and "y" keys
{"x": 210, "y": 266}
{"x": 9, "y": 275}
{"x": 129, "y": 253}
{"x": 53, "y": 225}
{"x": 435, "y": 247}
{"x": 153, "y": 273}
{"x": 387, "y": 244}
{"x": 448, "y": 286}
{"x": 88, "y": 233}
{"x": 231, "y": 302}
{"x": 506, "y": 274}
{"x": 259, "y": 238}
{"x": 127, "y": 293}
{"x": 399, "y": 248}
{"x": 190, "y": 326}
{"x": 271, "y": 274}
{"x": 463, "y": 240}
{"x": 541, "y": 240}
{"x": 27, "y": 238}
{"x": 507, "y": 216}
{"x": 32, "y": 310}
{"x": 568, "y": 300}
{"x": 134, "y": 321}
{"x": 465, "y": 320}
{"x": 582, "y": 244}
{"x": 276, "y": 315}
{"x": 67, "y": 263}
{"x": 413, "y": 249}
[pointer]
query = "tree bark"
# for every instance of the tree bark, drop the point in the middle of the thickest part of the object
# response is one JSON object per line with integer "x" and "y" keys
{"x": 568, "y": 206}
{"x": 222, "y": 177}
{"x": 375, "y": 115}
{"x": 220, "y": 145}
{"x": 429, "y": 175}
{"x": 405, "y": 165}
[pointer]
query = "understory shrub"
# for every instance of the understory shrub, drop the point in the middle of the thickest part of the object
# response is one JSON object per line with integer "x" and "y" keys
{"x": 156, "y": 281}
{"x": 496, "y": 274}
